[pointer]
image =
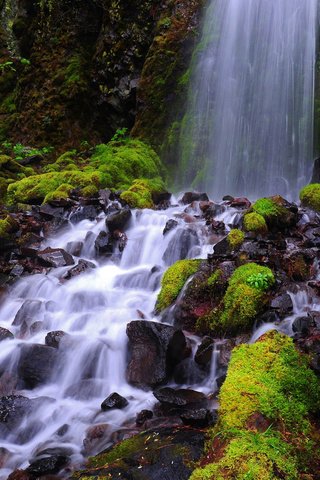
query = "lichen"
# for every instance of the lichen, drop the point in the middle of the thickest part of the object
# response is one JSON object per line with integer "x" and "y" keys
{"x": 268, "y": 381}
{"x": 310, "y": 196}
{"x": 173, "y": 281}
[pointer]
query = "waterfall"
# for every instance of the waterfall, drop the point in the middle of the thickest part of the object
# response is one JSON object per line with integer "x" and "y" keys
{"x": 248, "y": 129}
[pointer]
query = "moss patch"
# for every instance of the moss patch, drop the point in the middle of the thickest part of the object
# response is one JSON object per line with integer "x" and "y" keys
{"x": 310, "y": 196}
{"x": 265, "y": 406}
{"x": 173, "y": 281}
{"x": 254, "y": 222}
{"x": 139, "y": 195}
{"x": 235, "y": 238}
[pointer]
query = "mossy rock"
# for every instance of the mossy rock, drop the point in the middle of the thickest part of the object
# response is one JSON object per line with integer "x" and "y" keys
{"x": 174, "y": 280}
{"x": 277, "y": 212}
{"x": 235, "y": 238}
{"x": 266, "y": 403}
{"x": 140, "y": 194}
{"x": 310, "y": 196}
{"x": 8, "y": 226}
{"x": 254, "y": 222}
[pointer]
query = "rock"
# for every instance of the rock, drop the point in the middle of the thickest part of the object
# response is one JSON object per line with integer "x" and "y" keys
{"x": 204, "y": 351}
{"x": 17, "y": 270}
{"x": 13, "y": 408}
{"x": 180, "y": 397}
{"x": 114, "y": 401}
{"x": 103, "y": 244}
{"x": 180, "y": 245}
{"x": 143, "y": 416}
{"x": 170, "y": 225}
{"x": 55, "y": 257}
{"x": 74, "y": 248}
{"x": 54, "y": 338}
{"x": 96, "y": 438}
{"x": 189, "y": 197}
{"x": 82, "y": 266}
{"x": 199, "y": 417}
{"x": 282, "y": 304}
{"x": 222, "y": 247}
{"x": 27, "y": 313}
{"x": 155, "y": 349}
{"x": 48, "y": 465}
{"x": 316, "y": 171}
{"x": 241, "y": 202}
{"x": 160, "y": 197}
{"x": 84, "y": 212}
{"x": 36, "y": 364}
{"x": 121, "y": 238}
{"x": 48, "y": 211}
{"x": 104, "y": 197}
{"x": 302, "y": 325}
{"x": 220, "y": 380}
{"x": 5, "y": 334}
{"x": 118, "y": 220}
{"x": 20, "y": 475}
{"x": 188, "y": 372}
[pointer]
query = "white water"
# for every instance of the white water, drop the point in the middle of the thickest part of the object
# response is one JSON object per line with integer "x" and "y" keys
{"x": 94, "y": 309}
{"x": 249, "y": 124}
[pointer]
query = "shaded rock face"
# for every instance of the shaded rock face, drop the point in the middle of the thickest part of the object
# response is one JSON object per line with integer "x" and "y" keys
{"x": 154, "y": 351}
{"x": 36, "y": 364}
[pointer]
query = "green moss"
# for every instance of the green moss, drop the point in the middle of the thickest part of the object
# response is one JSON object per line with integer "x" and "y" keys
{"x": 62, "y": 192}
{"x": 266, "y": 207}
{"x": 310, "y": 196}
{"x": 139, "y": 195}
{"x": 7, "y": 226}
{"x": 214, "y": 278}
{"x": 235, "y": 238}
{"x": 243, "y": 299}
{"x": 123, "y": 449}
{"x": 269, "y": 381}
{"x": 173, "y": 281}
{"x": 254, "y": 222}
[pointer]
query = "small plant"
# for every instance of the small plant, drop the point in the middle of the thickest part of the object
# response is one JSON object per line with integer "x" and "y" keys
{"x": 7, "y": 66}
{"x": 261, "y": 281}
{"x": 25, "y": 61}
{"x": 120, "y": 134}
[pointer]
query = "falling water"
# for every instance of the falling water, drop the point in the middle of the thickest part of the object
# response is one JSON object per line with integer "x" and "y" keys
{"x": 248, "y": 129}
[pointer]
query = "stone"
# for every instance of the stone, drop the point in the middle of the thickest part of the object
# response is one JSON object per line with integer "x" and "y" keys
{"x": 55, "y": 257}
{"x": 103, "y": 244}
{"x": 160, "y": 197}
{"x": 74, "y": 248}
{"x": 188, "y": 372}
{"x": 36, "y": 364}
{"x": 180, "y": 397}
{"x": 302, "y": 325}
{"x": 5, "y": 334}
{"x": 118, "y": 220}
{"x": 54, "y": 338}
{"x": 27, "y": 313}
{"x": 82, "y": 266}
{"x": 189, "y": 197}
{"x": 84, "y": 212}
{"x": 114, "y": 401}
{"x": 199, "y": 417}
{"x": 180, "y": 245}
{"x": 154, "y": 349}
{"x": 48, "y": 465}
{"x": 96, "y": 438}
{"x": 48, "y": 211}
{"x": 170, "y": 225}
{"x": 282, "y": 304}
{"x": 13, "y": 408}
{"x": 143, "y": 416}
{"x": 222, "y": 247}
{"x": 204, "y": 351}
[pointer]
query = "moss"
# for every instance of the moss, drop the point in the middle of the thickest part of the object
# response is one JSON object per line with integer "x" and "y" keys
{"x": 173, "y": 281}
{"x": 243, "y": 300}
{"x": 121, "y": 450}
{"x": 214, "y": 278}
{"x": 7, "y": 226}
{"x": 269, "y": 381}
{"x": 62, "y": 192}
{"x": 310, "y": 196}
{"x": 235, "y": 238}
{"x": 254, "y": 222}
{"x": 139, "y": 195}
{"x": 266, "y": 207}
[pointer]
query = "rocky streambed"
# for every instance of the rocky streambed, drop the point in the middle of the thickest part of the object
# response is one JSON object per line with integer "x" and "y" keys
{"x": 95, "y": 358}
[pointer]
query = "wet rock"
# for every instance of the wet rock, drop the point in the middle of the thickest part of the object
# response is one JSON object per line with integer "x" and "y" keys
{"x": 155, "y": 349}
{"x": 204, "y": 351}
{"x": 180, "y": 245}
{"x": 170, "y": 225}
{"x": 54, "y": 338}
{"x": 13, "y": 408}
{"x": 188, "y": 372}
{"x": 180, "y": 397}
{"x": 189, "y": 197}
{"x": 114, "y": 401}
{"x": 104, "y": 197}
{"x": 240, "y": 202}
{"x": 81, "y": 267}
{"x": 84, "y": 389}
{"x": 143, "y": 416}
{"x": 20, "y": 475}
{"x": 199, "y": 417}
{"x": 8, "y": 384}
{"x": 85, "y": 212}
{"x": 220, "y": 380}
{"x": 48, "y": 211}
{"x": 222, "y": 247}
{"x": 74, "y": 248}
{"x": 55, "y": 257}
{"x": 17, "y": 270}
{"x": 103, "y": 244}
{"x": 118, "y": 220}
{"x": 96, "y": 438}
{"x": 161, "y": 197}
{"x": 5, "y": 334}
{"x": 48, "y": 465}
{"x": 36, "y": 364}
{"x": 282, "y": 304}
{"x": 121, "y": 238}
{"x": 36, "y": 327}
{"x": 27, "y": 312}
{"x": 302, "y": 325}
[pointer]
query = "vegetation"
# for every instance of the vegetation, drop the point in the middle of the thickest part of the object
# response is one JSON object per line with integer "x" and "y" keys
{"x": 254, "y": 222}
{"x": 173, "y": 281}
{"x": 235, "y": 238}
{"x": 310, "y": 196}
{"x": 264, "y": 429}
{"x": 140, "y": 194}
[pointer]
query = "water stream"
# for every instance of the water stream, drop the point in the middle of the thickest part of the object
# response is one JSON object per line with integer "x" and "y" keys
{"x": 248, "y": 129}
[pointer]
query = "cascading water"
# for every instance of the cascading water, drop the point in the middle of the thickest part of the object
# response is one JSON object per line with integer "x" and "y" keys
{"x": 248, "y": 129}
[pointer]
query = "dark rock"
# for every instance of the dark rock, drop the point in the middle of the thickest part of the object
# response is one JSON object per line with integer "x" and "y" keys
{"x": 13, "y": 408}
{"x": 189, "y": 197}
{"x": 282, "y": 304}
{"x": 204, "y": 351}
{"x": 302, "y": 325}
{"x": 103, "y": 244}
{"x": 82, "y": 266}
{"x": 49, "y": 211}
{"x": 85, "y": 212}
{"x": 241, "y": 202}
{"x": 20, "y": 475}
{"x": 36, "y": 327}
{"x": 5, "y": 334}
{"x": 74, "y": 248}
{"x": 121, "y": 238}
{"x": 220, "y": 380}
{"x": 17, "y": 270}
{"x": 180, "y": 245}
{"x": 36, "y": 364}
{"x": 96, "y": 438}
{"x": 104, "y": 197}
{"x": 27, "y": 312}
{"x": 143, "y": 416}
{"x": 114, "y": 401}
{"x": 55, "y": 257}
{"x": 316, "y": 171}
{"x": 199, "y": 417}
{"x": 155, "y": 349}
{"x": 222, "y": 247}
{"x": 188, "y": 372}
{"x": 53, "y": 339}
{"x": 170, "y": 225}
{"x": 118, "y": 220}
{"x": 180, "y": 397}
{"x": 48, "y": 465}
{"x": 160, "y": 197}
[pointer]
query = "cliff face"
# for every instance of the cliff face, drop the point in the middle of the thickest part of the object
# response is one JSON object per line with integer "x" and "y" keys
{"x": 75, "y": 71}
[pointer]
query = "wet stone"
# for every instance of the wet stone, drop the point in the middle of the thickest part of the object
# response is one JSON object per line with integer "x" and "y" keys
{"x": 5, "y": 334}
{"x": 180, "y": 397}
{"x": 82, "y": 266}
{"x": 85, "y": 212}
{"x": 114, "y": 401}
{"x": 170, "y": 225}
{"x": 103, "y": 244}
{"x": 36, "y": 364}
{"x": 143, "y": 416}
{"x": 55, "y": 257}
{"x": 302, "y": 325}
{"x": 283, "y": 304}
{"x": 49, "y": 465}
{"x": 53, "y": 339}
{"x": 74, "y": 248}
{"x": 189, "y": 197}
{"x": 118, "y": 220}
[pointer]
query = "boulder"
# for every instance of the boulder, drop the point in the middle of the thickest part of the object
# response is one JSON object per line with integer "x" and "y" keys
{"x": 114, "y": 401}
{"x": 48, "y": 465}
{"x": 36, "y": 364}
{"x": 82, "y": 266}
{"x": 155, "y": 349}
{"x": 5, "y": 334}
{"x": 189, "y": 197}
{"x": 143, "y": 416}
{"x": 103, "y": 244}
{"x": 282, "y": 304}
{"x": 27, "y": 313}
{"x": 170, "y": 225}
{"x": 84, "y": 212}
{"x": 54, "y": 338}
{"x": 13, "y": 408}
{"x": 118, "y": 220}
{"x": 180, "y": 397}
{"x": 74, "y": 248}
{"x": 55, "y": 257}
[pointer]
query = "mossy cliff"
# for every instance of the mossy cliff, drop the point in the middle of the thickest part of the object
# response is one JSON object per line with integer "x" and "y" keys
{"x": 265, "y": 429}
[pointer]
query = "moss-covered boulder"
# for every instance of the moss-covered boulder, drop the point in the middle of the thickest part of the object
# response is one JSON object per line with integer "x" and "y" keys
{"x": 174, "y": 280}
{"x": 265, "y": 428}
{"x": 142, "y": 192}
{"x": 235, "y": 238}
{"x": 276, "y": 211}
{"x": 254, "y": 222}
{"x": 310, "y": 196}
